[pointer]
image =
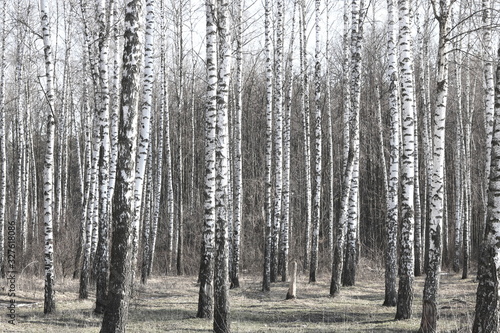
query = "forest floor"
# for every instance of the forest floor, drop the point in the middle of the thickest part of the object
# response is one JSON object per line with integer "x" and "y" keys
{"x": 170, "y": 304}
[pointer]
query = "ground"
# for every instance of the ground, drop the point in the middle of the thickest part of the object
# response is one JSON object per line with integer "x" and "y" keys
{"x": 170, "y": 303}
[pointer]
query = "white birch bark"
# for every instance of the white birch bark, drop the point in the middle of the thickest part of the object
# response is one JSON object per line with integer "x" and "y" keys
{"x": 205, "y": 299}
{"x": 406, "y": 257}
{"x": 393, "y": 185}
{"x": 431, "y": 287}
{"x": 48, "y": 170}
{"x": 144, "y": 126}
{"x": 317, "y": 149}
{"x": 116, "y": 314}
{"x": 487, "y": 298}
{"x": 349, "y": 272}
{"x": 285, "y": 216}
{"x": 221, "y": 322}
{"x": 278, "y": 141}
{"x": 266, "y": 283}
{"x": 102, "y": 253}
{"x": 238, "y": 165}
{"x": 489, "y": 95}
{"x": 304, "y": 101}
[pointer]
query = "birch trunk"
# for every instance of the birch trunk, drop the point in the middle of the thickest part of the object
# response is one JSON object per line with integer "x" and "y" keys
{"x": 278, "y": 142}
{"x": 431, "y": 287}
{"x": 406, "y": 275}
{"x": 48, "y": 170}
{"x": 144, "y": 128}
{"x": 266, "y": 283}
{"x": 349, "y": 267}
{"x": 304, "y": 101}
{"x": 487, "y": 312}
{"x": 205, "y": 299}
{"x": 317, "y": 149}
{"x": 393, "y": 185}
{"x": 221, "y": 323}
{"x": 116, "y": 313}
{"x": 102, "y": 253}
{"x": 238, "y": 165}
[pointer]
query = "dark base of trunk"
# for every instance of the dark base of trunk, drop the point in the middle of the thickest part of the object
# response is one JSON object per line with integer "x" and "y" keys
{"x": 235, "y": 283}
{"x": 49, "y": 305}
{"x": 429, "y": 317}
{"x": 312, "y": 276}
{"x": 290, "y": 296}
{"x": 390, "y": 301}
{"x": 99, "y": 308}
{"x": 405, "y": 298}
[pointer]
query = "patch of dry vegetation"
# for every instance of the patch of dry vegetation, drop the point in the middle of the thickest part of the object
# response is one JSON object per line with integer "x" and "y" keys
{"x": 170, "y": 303}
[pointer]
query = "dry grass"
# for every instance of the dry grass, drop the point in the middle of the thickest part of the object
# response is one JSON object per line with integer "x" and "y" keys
{"x": 170, "y": 303}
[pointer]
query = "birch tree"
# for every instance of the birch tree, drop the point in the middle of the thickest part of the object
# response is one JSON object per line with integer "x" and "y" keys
{"x": 266, "y": 283}
{"x": 205, "y": 299}
{"x": 317, "y": 148}
{"x": 144, "y": 126}
{"x": 102, "y": 254}
{"x": 349, "y": 267}
{"x": 49, "y": 305}
{"x": 116, "y": 313}
{"x": 221, "y": 262}
{"x": 278, "y": 141}
{"x": 392, "y": 195}
{"x": 431, "y": 287}
{"x": 487, "y": 313}
{"x": 406, "y": 276}
{"x": 238, "y": 165}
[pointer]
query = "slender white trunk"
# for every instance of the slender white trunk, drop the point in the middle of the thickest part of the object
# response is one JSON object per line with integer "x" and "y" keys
{"x": 317, "y": 149}
{"x": 266, "y": 283}
{"x": 406, "y": 257}
{"x": 48, "y": 170}
{"x": 144, "y": 127}
{"x": 431, "y": 287}
{"x": 393, "y": 184}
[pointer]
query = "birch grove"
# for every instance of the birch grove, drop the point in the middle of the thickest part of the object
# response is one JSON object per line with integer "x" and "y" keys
{"x": 219, "y": 143}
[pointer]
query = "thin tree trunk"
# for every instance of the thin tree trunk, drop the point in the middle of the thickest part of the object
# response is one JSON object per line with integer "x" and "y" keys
{"x": 406, "y": 258}
{"x": 431, "y": 287}
{"x": 266, "y": 283}
{"x": 317, "y": 149}
{"x": 3, "y": 154}
{"x": 49, "y": 305}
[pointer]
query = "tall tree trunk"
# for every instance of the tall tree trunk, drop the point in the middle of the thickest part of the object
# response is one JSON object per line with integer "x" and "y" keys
{"x": 221, "y": 265}
{"x": 205, "y": 299}
{"x": 317, "y": 150}
{"x": 238, "y": 165}
{"x": 102, "y": 254}
{"x": 145, "y": 129}
{"x": 278, "y": 142}
{"x": 49, "y": 305}
{"x": 487, "y": 308}
{"x": 393, "y": 185}
{"x": 406, "y": 257}
{"x": 266, "y": 283}
{"x": 349, "y": 267}
{"x": 304, "y": 101}
{"x": 116, "y": 313}
{"x": 431, "y": 287}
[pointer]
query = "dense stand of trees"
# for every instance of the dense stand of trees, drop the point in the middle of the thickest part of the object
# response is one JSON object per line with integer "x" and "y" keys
{"x": 239, "y": 137}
